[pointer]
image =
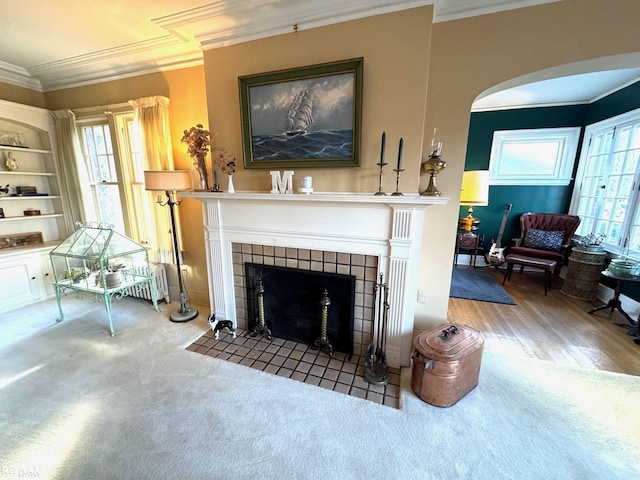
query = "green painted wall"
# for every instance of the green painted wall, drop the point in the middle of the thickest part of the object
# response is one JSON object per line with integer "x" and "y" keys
{"x": 617, "y": 103}
{"x": 535, "y": 198}
{"x": 523, "y": 198}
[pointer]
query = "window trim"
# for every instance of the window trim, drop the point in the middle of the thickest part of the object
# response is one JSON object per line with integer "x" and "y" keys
{"x": 115, "y": 117}
{"x": 562, "y": 168}
{"x": 611, "y": 123}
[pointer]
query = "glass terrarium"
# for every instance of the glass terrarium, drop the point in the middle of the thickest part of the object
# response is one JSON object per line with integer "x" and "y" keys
{"x": 97, "y": 259}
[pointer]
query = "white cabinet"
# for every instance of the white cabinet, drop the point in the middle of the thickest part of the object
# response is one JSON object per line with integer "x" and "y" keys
{"x": 24, "y": 278}
{"x": 28, "y": 163}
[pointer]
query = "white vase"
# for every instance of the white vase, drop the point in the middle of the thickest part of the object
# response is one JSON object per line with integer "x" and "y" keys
{"x": 230, "y": 188}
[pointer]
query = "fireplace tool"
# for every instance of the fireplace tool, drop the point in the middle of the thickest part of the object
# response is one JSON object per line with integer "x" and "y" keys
{"x": 261, "y": 327}
{"x": 323, "y": 341}
{"x": 376, "y": 370}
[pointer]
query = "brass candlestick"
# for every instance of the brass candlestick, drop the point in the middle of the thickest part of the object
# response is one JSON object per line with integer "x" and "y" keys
{"x": 380, "y": 192}
{"x": 397, "y": 170}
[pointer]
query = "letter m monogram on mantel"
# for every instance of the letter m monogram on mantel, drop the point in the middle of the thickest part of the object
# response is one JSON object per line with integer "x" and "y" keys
{"x": 281, "y": 184}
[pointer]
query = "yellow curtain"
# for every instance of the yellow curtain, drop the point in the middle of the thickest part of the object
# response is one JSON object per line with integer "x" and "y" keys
{"x": 152, "y": 118}
{"x": 73, "y": 176}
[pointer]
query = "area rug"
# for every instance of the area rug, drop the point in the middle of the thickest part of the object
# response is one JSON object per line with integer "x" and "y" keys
{"x": 477, "y": 284}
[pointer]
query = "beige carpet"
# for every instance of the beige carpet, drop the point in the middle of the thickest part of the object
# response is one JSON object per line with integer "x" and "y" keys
{"x": 78, "y": 404}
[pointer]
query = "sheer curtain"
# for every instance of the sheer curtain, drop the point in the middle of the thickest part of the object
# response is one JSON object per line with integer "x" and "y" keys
{"x": 152, "y": 118}
{"x": 73, "y": 175}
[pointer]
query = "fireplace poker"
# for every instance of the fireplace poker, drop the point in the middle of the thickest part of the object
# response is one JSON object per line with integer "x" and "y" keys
{"x": 376, "y": 370}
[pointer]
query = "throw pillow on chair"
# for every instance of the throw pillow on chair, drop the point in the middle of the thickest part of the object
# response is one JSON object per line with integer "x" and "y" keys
{"x": 543, "y": 240}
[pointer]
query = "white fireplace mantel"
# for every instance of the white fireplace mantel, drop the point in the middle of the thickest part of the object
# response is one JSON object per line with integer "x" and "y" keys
{"x": 389, "y": 227}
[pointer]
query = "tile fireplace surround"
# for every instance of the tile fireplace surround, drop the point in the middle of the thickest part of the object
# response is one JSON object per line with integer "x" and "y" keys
{"x": 388, "y": 228}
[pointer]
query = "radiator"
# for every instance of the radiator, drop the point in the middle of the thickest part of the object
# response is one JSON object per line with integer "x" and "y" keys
{"x": 144, "y": 290}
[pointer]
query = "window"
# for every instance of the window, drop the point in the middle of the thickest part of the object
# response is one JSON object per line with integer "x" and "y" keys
{"x": 112, "y": 153}
{"x": 98, "y": 154}
{"x": 543, "y": 156}
{"x": 606, "y": 195}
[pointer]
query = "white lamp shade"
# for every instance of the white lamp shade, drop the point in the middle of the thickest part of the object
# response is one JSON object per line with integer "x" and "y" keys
{"x": 167, "y": 180}
{"x": 475, "y": 188}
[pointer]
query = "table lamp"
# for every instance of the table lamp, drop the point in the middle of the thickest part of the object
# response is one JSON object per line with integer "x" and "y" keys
{"x": 171, "y": 181}
{"x": 475, "y": 193}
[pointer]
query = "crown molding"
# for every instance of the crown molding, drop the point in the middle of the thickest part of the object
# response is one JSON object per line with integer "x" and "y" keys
{"x": 106, "y": 55}
{"x": 71, "y": 78}
{"x": 260, "y": 19}
{"x": 446, "y": 10}
{"x": 18, "y": 76}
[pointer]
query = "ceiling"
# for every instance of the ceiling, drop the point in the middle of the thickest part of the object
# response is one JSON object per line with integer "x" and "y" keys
{"x": 58, "y": 44}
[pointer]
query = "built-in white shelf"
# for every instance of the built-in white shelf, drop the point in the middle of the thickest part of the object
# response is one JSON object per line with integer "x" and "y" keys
{"x": 30, "y": 197}
{"x": 31, "y": 217}
{"x": 30, "y": 174}
{"x": 21, "y": 149}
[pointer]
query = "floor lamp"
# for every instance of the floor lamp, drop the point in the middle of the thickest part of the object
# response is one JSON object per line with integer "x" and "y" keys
{"x": 171, "y": 181}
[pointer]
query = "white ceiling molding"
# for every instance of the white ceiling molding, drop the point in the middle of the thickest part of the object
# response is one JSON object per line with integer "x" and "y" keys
{"x": 171, "y": 51}
{"x": 71, "y": 78}
{"x": 18, "y": 76}
{"x": 446, "y": 10}
{"x": 220, "y": 23}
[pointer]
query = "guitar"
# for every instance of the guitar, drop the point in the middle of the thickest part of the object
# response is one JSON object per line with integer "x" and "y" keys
{"x": 495, "y": 256}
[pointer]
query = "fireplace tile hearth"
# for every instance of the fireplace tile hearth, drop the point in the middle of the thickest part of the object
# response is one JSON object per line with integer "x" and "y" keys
{"x": 299, "y": 362}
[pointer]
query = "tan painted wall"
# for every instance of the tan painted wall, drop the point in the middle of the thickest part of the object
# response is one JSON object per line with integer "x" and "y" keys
{"x": 25, "y": 96}
{"x": 470, "y": 55}
{"x": 395, "y": 50}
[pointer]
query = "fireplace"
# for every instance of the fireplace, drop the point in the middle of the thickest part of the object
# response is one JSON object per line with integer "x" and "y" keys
{"x": 362, "y": 268}
{"x": 382, "y": 232}
{"x": 294, "y": 301}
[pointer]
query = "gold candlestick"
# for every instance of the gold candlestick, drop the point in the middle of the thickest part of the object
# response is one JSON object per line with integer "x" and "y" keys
{"x": 380, "y": 192}
{"x": 397, "y": 170}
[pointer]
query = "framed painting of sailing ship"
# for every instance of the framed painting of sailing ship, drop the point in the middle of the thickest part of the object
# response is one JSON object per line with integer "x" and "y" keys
{"x": 303, "y": 117}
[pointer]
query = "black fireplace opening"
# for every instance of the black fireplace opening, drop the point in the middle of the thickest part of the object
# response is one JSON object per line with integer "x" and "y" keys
{"x": 292, "y": 304}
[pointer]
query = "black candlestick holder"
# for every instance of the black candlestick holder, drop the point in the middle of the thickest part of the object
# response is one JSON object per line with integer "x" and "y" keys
{"x": 380, "y": 192}
{"x": 397, "y": 170}
{"x": 216, "y": 187}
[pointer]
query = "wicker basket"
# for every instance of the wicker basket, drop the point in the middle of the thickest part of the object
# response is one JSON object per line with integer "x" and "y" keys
{"x": 583, "y": 275}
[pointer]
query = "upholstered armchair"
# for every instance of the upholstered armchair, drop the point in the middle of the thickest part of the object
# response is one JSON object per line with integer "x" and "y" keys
{"x": 546, "y": 235}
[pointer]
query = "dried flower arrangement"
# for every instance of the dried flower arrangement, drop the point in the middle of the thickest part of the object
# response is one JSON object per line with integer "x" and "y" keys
{"x": 223, "y": 159}
{"x": 198, "y": 141}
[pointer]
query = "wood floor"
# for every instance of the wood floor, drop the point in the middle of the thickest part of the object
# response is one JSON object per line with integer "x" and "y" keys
{"x": 556, "y": 328}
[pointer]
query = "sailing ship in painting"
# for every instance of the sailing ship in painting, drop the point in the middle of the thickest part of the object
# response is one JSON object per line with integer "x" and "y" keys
{"x": 299, "y": 117}
{"x": 306, "y": 122}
